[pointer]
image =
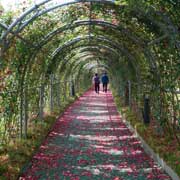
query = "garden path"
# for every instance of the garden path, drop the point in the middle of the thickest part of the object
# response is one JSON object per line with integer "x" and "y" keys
{"x": 91, "y": 142}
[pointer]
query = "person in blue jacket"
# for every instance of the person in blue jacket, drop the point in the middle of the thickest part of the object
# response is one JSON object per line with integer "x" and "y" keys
{"x": 105, "y": 81}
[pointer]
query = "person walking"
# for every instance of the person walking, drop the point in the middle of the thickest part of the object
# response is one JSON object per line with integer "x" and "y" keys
{"x": 96, "y": 83}
{"x": 105, "y": 81}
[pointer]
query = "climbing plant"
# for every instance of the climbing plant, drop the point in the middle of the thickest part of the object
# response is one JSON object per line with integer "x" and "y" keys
{"x": 135, "y": 41}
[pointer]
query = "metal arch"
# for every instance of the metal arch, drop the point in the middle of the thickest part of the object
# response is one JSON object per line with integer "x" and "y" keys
{"x": 93, "y": 22}
{"x": 103, "y": 40}
{"x": 92, "y": 48}
{"x": 92, "y": 67}
{"x": 84, "y": 58}
{"x": 102, "y": 67}
{"x": 138, "y": 77}
{"x": 81, "y": 38}
{"x": 22, "y": 16}
{"x": 113, "y": 51}
{"x": 117, "y": 47}
{"x": 113, "y": 45}
{"x": 135, "y": 67}
{"x": 80, "y": 65}
{"x": 50, "y": 35}
{"x": 93, "y": 54}
{"x": 89, "y": 70}
{"x": 115, "y": 27}
{"x": 97, "y": 47}
{"x": 101, "y": 23}
{"x": 76, "y": 39}
{"x": 110, "y": 25}
{"x": 70, "y": 3}
{"x": 99, "y": 38}
{"x": 89, "y": 66}
{"x": 110, "y": 50}
{"x": 81, "y": 58}
{"x": 85, "y": 61}
{"x": 4, "y": 26}
{"x": 80, "y": 23}
{"x": 83, "y": 66}
{"x": 37, "y": 12}
{"x": 72, "y": 64}
{"x": 89, "y": 59}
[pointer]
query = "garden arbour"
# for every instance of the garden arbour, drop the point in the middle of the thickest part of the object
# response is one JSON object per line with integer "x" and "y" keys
{"x": 55, "y": 46}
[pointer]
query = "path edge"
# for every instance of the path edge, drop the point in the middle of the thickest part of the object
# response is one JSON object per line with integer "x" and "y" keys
{"x": 150, "y": 152}
{"x": 49, "y": 131}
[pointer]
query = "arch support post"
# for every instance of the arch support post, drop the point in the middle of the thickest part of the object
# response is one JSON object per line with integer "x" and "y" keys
{"x": 65, "y": 89}
{"x": 121, "y": 89}
{"x": 129, "y": 89}
{"x": 21, "y": 115}
{"x": 146, "y": 112}
{"x": 51, "y": 93}
{"x": 58, "y": 93}
{"x": 41, "y": 101}
{"x": 25, "y": 113}
{"x": 72, "y": 88}
{"x": 128, "y": 93}
{"x": 77, "y": 86}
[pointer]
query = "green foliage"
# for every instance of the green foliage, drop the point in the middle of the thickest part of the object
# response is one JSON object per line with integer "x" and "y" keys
{"x": 18, "y": 152}
{"x": 136, "y": 54}
{"x": 166, "y": 146}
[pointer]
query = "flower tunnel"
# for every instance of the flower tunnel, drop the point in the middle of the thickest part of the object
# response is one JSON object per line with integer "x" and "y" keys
{"x": 51, "y": 50}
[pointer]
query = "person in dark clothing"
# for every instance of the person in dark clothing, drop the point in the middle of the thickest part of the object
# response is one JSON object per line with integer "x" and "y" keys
{"x": 96, "y": 83}
{"x": 105, "y": 81}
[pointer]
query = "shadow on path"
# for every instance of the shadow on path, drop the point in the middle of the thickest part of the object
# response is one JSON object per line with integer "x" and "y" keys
{"x": 90, "y": 142}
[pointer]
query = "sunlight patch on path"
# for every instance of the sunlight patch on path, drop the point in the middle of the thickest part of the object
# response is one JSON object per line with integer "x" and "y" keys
{"x": 91, "y": 142}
